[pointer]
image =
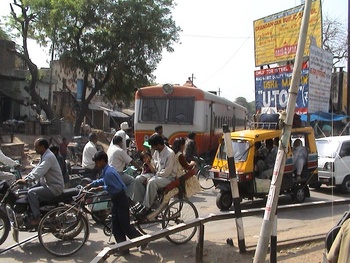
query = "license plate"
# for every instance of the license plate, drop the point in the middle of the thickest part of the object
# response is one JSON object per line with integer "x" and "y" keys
{"x": 224, "y": 175}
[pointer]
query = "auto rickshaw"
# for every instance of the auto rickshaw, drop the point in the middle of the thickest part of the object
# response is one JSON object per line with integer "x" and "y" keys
{"x": 246, "y": 156}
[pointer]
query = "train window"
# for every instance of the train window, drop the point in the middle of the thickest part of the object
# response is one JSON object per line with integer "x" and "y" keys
{"x": 181, "y": 110}
{"x": 153, "y": 110}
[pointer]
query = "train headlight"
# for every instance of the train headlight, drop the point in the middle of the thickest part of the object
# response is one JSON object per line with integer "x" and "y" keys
{"x": 168, "y": 89}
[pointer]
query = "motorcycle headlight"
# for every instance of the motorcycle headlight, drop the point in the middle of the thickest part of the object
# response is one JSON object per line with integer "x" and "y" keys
{"x": 329, "y": 166}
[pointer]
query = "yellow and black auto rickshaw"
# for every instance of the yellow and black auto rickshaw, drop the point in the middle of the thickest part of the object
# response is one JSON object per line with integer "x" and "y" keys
{"x": 248, "y": 148}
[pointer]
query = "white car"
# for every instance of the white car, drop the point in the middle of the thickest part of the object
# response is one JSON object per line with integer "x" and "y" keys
{"x": 334, "y": 161}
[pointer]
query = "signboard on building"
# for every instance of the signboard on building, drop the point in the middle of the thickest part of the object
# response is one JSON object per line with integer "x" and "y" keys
{"x": 276, "y": 36}
{"x": 272, "y": 85}
{"x": 320, "y": 79}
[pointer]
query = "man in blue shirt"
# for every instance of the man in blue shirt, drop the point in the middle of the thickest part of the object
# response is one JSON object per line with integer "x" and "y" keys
{"x": 111, "y": 182}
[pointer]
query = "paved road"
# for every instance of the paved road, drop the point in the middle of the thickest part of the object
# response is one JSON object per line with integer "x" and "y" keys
{"x": 291, "y": 225}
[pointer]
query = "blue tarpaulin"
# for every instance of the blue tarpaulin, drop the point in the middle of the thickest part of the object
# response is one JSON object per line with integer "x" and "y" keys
{"x": 324, "y": 116}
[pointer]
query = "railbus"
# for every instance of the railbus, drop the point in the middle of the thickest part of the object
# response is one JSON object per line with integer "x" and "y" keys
{"x": 181, "y": 109}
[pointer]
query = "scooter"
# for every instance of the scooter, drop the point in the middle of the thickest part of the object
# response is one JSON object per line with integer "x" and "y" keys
{"x": 330, "y": 237}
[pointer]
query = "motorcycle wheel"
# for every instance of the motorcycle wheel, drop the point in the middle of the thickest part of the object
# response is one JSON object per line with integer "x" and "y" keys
{"x": 4, "y": 227}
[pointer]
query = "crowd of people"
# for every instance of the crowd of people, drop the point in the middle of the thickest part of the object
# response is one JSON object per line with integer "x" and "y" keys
{"x": 265, "y": 157}
{"x": 159, "y": 165}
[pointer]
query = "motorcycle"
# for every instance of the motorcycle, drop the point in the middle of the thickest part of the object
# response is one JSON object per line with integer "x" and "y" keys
{"x": 15, "y": 210}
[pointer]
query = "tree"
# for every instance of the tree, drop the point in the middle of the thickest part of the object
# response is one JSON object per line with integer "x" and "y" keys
{"x": 118, "y": 44}
{"x": 4, "y": 35}
{"x": 249, "y": 105}
{"x": 335, "y": 39}
{"x": 22, "y": 20}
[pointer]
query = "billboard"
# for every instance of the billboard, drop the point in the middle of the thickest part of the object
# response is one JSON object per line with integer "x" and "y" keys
{"x": 276, "y": 36}
{"x": 271, "y": 88}
{"x": 320, "y": 79}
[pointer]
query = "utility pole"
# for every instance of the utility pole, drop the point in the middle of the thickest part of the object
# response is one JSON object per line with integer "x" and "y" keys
{"x": 272, "y": 199}
{"x": 191, "y": 79}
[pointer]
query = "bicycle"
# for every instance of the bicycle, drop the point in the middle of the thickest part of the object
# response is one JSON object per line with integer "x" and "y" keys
{"x": 167, "y": 214}
{"x": 203, "y": 174}
{"x": 64, "y": 230}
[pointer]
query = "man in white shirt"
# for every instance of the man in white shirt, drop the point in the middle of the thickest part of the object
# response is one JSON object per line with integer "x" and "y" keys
{"x": 49, "y": 176}
{"x": 166, "y": 171}
{"x": 9, "y": 177}
{"x": 299, "y": 157}
{"x": 122, "y": 133}
{"x": 89, "y": 151}
{"x": 118, "y": 158}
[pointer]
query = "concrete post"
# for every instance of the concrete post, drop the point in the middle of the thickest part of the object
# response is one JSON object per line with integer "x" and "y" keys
{"x": 272, "y": 200}
{"x": 234, "y": 189}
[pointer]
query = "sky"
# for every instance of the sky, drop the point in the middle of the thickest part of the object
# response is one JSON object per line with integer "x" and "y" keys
{"x": 216, "y": 43}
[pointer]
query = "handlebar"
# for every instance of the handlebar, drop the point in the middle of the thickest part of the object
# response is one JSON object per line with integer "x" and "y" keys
{"x": 83, "y": 192}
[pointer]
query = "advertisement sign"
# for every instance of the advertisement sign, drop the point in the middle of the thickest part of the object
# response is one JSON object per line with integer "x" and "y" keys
{"x": 320, "y": 79}
{"x": 272, "y": 85}
{"x": 276, "y": 36}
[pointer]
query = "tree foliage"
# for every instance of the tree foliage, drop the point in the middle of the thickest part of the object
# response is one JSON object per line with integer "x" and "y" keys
{"x": 117, "y": 43}
{"x": 4, "y": 35}
{"x": 249, "y": 105}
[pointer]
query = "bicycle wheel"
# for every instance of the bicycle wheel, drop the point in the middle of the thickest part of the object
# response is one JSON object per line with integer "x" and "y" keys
{"x": 204, "y": 179}
{"x": 107, "y": 229}
{"x": 147, "y": 227}
{"x": 63, "y": 231}
{"x": 178, "y": 212}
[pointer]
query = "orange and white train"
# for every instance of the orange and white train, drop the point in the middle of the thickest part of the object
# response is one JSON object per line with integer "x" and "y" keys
{"x": 181, "y": 109}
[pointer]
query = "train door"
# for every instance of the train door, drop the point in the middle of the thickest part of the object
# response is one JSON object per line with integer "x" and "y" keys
{"x": 211, "y": 123}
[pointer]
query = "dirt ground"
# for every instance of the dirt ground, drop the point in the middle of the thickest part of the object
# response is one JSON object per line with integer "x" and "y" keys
{"x": 307, "y": 253}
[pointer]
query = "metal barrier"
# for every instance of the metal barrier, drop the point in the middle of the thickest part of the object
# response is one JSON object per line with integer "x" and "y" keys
{"x": 199, "y": 222}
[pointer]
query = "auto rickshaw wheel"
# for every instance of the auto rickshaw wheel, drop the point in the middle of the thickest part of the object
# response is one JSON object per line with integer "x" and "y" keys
{"x": 299, "y": 194}
{"x": 224, "y": 200}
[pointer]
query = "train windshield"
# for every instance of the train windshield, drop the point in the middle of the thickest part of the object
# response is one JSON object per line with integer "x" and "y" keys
{"x": 167, "y": 110}
{"x": 240, "y": 150}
